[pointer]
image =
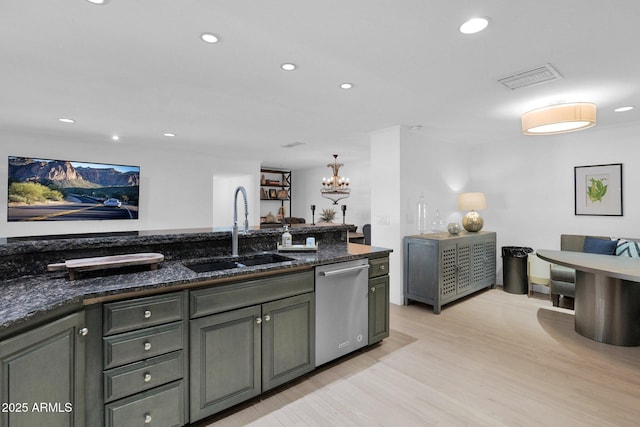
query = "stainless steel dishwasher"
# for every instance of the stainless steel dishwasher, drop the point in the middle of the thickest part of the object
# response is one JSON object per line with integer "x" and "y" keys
{"x": 341, "y": 309}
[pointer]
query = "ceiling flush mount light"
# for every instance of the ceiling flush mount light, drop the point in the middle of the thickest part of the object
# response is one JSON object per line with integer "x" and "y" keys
{"x": 169, "y": 134}
{"x": 209, "y": 38}
{"x": 623, "y": 109}
{"x": 66, "y": 120}
{"x": 288, "y": 66}
{"x": 559, "y": 118}
{"x": 99, "y": 2}
{"x": 115, "y": 138}
{"x": 336, "y": 187}
{"x": 346, "y": 85}
{"x": 474, "y": 25}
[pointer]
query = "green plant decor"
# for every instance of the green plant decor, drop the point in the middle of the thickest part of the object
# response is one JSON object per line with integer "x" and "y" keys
{"x": 327, "y": 215}
{"x": 597, "y": 190}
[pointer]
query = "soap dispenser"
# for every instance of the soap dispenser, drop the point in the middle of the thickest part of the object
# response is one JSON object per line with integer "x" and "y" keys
{"x": 286, "y": 237}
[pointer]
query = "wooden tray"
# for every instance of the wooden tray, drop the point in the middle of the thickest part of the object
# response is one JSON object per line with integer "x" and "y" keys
{"x": 74, "y": 266}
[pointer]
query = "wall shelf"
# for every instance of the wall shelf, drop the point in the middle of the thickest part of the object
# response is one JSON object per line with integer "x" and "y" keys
{"x": 275, "y": 187}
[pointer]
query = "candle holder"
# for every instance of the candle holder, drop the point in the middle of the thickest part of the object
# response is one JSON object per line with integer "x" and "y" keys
{"x": 344, "y": 212}
{"x": 313, "y": 214}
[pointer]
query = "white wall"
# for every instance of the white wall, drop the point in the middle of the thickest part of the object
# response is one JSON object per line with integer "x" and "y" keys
{"x": 176, "y": 187}
{"x": 410, "y": 164}
{"x": 529, "y": 186}
{"x": 306, "y": 184}
{"x": 387, "y": 222}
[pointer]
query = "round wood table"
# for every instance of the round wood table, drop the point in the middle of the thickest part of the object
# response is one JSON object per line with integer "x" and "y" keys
{"x": 607, "y": 299}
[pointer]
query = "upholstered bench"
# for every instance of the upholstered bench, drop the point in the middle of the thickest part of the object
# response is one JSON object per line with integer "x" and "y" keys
{"x": 563, "y": 278}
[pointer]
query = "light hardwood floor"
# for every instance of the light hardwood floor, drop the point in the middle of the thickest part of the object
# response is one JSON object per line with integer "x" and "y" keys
{"x": 495, "y": 359}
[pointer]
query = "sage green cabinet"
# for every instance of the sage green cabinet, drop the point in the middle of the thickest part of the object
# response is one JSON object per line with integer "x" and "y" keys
{"x": 143, "y": 361}
{"x": 225, "y": 360}
{"x": 240, "y": 353}
{"x": 288, "y": 339}
{"x": 42, "y": 375}
{"x": 378, "y": 299}
{"x": 441, "y": 269}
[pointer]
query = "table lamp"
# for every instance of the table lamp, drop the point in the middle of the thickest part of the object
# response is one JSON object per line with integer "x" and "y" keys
{"x": 472, "y": 202}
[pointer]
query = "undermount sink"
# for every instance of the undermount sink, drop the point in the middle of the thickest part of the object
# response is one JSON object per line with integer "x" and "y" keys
{"x": 238, "y": 262}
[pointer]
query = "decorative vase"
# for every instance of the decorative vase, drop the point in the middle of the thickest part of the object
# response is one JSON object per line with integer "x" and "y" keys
{"x": 454, "y": 228}
{"x": 438, "y": 225}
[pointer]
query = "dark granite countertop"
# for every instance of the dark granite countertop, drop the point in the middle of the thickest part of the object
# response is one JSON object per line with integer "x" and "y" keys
{"x": 29, "y": 299}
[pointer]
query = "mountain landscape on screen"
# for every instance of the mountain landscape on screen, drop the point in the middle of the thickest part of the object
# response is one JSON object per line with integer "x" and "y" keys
{"x": 63, "y": 190}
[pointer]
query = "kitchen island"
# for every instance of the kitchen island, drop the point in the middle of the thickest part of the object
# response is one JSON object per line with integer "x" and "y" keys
{"x": 178, "y": 307}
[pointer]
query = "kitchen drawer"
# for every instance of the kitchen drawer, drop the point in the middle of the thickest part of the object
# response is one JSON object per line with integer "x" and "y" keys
{"x": 138, "y": 345}
{"x": 142, "y": 312}
{"x": 378, "y": 267}
{"x": 140, "y": 376}
{"x": 162, "y": 406}
{"x": 243, "y": 294}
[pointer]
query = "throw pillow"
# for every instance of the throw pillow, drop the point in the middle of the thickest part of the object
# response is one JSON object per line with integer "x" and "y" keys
{"x": 599, "y": 246}
{"x": 628, "y": 248}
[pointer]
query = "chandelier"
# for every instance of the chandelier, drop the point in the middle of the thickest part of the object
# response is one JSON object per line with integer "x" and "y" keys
{"x": 337, "y": 187}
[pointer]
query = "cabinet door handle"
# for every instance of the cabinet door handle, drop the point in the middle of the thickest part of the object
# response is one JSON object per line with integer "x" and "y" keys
{"x": 267, "y": 317}
{"x": 147, "y": 346}
{"x": 382, "y": 267}
{"x": 147, "y": 418}
{"x": 147, "y": 314}
{"x": 373, "y": 289}
{"x": 147, "y": 377}
{"x": 83, "y": 332}
{"x": 259, "y": 320}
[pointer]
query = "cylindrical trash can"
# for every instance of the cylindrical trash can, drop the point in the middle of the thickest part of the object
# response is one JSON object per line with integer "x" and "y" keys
{"x": 514, "y": 269}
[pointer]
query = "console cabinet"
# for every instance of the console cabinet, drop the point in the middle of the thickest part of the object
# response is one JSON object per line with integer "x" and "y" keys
{"x": 441, "y": 269}
{"x": 42, "y": 375}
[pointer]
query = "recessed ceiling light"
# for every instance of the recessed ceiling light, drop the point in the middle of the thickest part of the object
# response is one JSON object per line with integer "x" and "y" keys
{"x": 346, "y": 85}
{"x": 209, "y": 38}
{"x": 623, "y": 109}
{"x": 97, "y": 1}
{"x": 115, "y": 138}
{"x": 66, "y": 120}
{"x": 169, "y": 134}
{"x": 288, "y": 66}
{"x": 474, "y": 25}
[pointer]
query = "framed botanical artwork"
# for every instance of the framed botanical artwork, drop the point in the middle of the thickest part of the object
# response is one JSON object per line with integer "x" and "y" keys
{"x": 598, "y": 190}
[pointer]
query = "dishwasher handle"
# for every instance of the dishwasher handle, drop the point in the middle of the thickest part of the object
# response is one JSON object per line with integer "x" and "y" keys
{"x": 344, "y": 270}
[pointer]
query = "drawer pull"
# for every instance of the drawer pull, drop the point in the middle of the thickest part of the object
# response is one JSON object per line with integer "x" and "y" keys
{"x": 373, "y": 289}
{"x": 382, "y": 267}
{"x": 147, "y": 377}
{"x": 147, "y": 346}
{"x": 83, "y": 332}
{"x": 147, "y": 418}
{"x": 147, "y": 314}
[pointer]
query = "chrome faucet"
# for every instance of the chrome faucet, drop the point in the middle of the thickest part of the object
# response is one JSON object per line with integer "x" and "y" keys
{"x": 234, "y": 229}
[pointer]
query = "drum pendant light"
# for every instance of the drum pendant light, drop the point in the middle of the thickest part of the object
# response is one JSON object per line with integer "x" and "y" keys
{"x": 559, "y": 118}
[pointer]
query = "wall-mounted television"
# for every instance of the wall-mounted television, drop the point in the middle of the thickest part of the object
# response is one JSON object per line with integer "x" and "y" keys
{"x": 65, "y": 190}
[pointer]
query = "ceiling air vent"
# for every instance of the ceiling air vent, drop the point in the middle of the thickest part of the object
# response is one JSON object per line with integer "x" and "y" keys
{"x": 543, "y": 74}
